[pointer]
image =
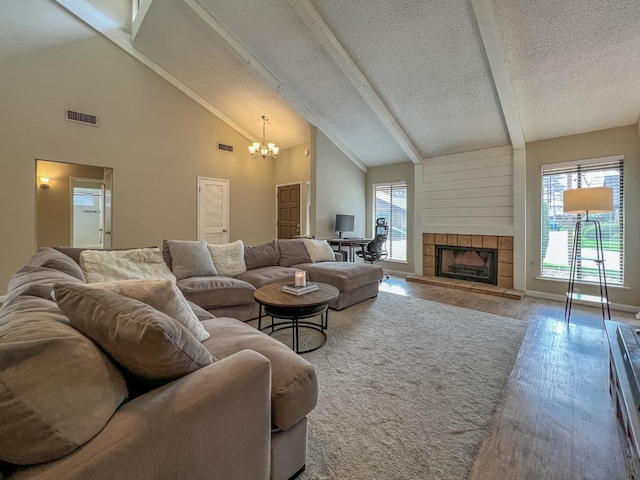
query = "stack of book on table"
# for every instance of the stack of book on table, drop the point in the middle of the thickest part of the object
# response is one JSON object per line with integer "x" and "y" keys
{"x": 292, "y": 289}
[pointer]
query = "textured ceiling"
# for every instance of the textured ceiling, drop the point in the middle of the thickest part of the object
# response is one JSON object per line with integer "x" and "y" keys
{"x": 392, "y": 81}
{"x": 575, "y": 64}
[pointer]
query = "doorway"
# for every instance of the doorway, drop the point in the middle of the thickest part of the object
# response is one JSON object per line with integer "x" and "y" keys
{"x": 55, "y": 203}
{"x": 288, "y": 208}
{"x": 87, "y": 213}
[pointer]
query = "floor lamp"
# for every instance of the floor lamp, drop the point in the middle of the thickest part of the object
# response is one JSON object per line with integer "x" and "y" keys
{"x": 585, "y": 201}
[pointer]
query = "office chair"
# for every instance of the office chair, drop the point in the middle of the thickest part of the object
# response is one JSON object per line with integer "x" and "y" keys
{"x": 375, "y": 249}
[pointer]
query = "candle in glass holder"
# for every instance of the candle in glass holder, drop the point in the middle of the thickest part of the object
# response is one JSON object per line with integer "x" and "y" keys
{"x": 300, "y": 278}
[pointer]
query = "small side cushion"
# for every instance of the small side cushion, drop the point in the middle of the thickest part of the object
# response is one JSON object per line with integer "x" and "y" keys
{"x": 111, "y": 265}
{"x": 190, "y": 259}
{"x": 51, "y": 258}
{"x": 319, "y": 250}
{"x": 144, "y": 341}
{"x": 216, "y": 292}
{"x": 163, "y": 295}
{"x": 264, "y": 255}
{"x": 228, "y": 258}
{"x": 293, "y": 252}
{"x": 294, "y": 385}
{"x": 57, "y": 389}
{"x": 36, "y": 282}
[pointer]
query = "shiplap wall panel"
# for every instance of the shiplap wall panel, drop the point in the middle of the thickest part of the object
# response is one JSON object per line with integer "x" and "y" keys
{"x": 472, "y": 189}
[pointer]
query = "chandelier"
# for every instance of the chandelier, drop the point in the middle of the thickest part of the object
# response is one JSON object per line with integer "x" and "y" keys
{"x": 266, "y": 149}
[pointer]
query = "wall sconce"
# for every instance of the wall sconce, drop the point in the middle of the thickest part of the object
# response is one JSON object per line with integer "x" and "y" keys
{"x": 44, "y": 182}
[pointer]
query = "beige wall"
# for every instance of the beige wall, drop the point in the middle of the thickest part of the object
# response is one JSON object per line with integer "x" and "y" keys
{"x": 293, "y": 166}
{"x": 340, "y": 187}
{"x": 615, "y": 141}
{"x": 387, "y": 174}
{"x": 156, "y": 139}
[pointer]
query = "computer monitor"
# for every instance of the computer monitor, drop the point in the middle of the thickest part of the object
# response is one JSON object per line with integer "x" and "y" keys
{"x": 344, "y": 223}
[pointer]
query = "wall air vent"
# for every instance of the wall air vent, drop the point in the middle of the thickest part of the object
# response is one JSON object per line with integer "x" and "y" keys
{"x": 83, "y": 118}
{"x": 225, "y": 148}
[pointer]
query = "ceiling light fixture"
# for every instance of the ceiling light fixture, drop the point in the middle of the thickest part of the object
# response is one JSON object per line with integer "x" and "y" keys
{"x": 266, "y": 149}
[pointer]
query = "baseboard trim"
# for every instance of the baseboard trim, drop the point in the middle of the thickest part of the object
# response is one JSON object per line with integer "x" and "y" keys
{"x": 562, "y": 298}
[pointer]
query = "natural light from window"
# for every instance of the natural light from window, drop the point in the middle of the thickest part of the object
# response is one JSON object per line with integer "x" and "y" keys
{"x": 558, "y": 228}
{"x": 390, "y": 202}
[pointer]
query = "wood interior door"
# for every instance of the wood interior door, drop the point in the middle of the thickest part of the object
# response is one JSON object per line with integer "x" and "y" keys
{"x": 288, "y": 210}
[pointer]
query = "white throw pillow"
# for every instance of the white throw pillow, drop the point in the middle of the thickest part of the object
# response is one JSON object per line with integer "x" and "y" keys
{"x": 319, "y": 250}
{"x": 109, "y": 266}
{"x": 228, "y": 258}
{"x": 164, "y": 296}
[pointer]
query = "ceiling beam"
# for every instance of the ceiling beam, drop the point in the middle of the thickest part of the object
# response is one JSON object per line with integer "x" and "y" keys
{"x": 105, "y": 26}
{"x": 255, "y": 65}
{"x": 492, "y": 40}
{"x": 316, "y": 24}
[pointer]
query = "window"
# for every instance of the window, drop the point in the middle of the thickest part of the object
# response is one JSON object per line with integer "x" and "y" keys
{"x": 390, "y": 202}
{"x": 557, "y": 227}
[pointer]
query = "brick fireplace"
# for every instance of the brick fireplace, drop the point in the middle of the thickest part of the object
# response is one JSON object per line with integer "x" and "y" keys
{"x": 502, "y": 244}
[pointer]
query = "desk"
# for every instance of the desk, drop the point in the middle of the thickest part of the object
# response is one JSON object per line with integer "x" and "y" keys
{"x": 351, "y": 244}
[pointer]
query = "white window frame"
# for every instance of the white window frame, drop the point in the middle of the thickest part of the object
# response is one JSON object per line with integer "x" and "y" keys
{"x": 614, "y": 261}
{"x": 389, "y": 245}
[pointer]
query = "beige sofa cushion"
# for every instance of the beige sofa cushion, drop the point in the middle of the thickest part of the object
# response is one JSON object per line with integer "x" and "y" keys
{"x": 163, "y": 295}
{"x": 293, "y": 252}
{"x": 294, "y": 385}
{"x": 36, "y": 281}
{"x": 228, "y": 258}
{"x": 190, "y": 259}
{"x": 259, "y": 277}
{"x": 216, "y": 292}
{"x": 144, "y": 341}
{"x": 57, "y": 389}
{"x": 344, "y": 276}
{"x": 50, "y": 258}
{"x": 264, "y": 255}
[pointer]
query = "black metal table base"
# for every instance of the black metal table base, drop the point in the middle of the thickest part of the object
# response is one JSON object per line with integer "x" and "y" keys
{"x": 292, "y": 321}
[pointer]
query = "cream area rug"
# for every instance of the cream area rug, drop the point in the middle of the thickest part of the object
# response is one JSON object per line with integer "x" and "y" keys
{"x": 407, "y": 388}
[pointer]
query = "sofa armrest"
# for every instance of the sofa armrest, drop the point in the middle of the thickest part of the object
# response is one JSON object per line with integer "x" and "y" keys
{"x": 214, "y": 423}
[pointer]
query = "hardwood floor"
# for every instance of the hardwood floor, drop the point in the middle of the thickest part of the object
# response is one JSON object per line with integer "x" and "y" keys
{"x": 557, "y": 419}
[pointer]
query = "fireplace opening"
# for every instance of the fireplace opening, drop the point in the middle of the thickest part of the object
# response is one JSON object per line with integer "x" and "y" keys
{"x": 467, "y": 263}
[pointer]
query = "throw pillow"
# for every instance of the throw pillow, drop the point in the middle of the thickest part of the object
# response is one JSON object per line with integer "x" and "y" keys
{"x": 190, "y": 259}
{"x": 228, "y": 258}
{"x": 319, "y": 250}
{"x": 144, "y": 341}
{"x": 57, "y": 388}
{"x": 112, "y": 265}
{"x": 293, "y": 252}
{"x": 264, "y": 255}
{"x": 164, "y": 296}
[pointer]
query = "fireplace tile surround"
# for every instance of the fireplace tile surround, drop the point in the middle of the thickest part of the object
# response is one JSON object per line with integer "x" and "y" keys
{"x": 504, "y": 245}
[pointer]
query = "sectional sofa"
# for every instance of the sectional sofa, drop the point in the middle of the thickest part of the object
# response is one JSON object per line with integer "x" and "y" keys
{"x": 103, "y": 383}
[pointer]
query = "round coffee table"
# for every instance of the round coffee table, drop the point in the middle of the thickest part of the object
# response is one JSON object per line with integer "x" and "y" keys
{"x": 293, "y": 308}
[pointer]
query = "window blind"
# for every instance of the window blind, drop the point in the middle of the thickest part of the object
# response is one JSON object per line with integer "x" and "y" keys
{"x": 390, "y": 202}
{"x": 558, "y": 228}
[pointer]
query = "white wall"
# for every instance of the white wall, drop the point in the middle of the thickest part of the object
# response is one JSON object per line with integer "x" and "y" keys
{"x": 469, "y": 193}
{"x": 338, "y": 186}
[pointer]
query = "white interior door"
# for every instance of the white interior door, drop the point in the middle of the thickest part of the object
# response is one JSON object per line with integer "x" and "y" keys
{"x": 87, "y": 221}
{"x": 107, "y": 189}
{"x": 213, "y": 210}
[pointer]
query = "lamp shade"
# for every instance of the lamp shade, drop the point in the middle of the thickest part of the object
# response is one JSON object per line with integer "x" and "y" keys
{"x": 592, "y": 200}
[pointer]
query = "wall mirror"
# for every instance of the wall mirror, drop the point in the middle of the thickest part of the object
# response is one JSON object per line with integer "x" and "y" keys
{"x": 73, "y": 205}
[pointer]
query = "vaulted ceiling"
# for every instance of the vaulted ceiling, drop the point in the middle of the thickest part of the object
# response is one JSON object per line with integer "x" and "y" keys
{"x": 391, "y": 81}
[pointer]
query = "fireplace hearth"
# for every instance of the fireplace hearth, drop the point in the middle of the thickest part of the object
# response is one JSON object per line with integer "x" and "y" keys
{"x": 467, "y": 263}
